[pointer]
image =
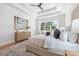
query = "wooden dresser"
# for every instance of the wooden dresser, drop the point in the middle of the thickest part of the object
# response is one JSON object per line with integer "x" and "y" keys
{"x": 20, "y": 36}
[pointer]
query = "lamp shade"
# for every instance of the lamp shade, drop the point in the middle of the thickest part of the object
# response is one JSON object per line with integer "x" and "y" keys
{"x": 75, "y": 26}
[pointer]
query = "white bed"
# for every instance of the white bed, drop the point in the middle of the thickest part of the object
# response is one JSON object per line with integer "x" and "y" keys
{"x": 51, "y": 43}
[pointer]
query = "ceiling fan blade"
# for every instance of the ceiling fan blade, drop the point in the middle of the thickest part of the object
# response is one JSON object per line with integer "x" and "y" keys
{"x": 33, "y": 5}
{"x": 40, "y": 4}
{"x": 41, "y": 8}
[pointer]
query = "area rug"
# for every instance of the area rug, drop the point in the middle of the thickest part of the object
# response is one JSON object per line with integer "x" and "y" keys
{"x": 18, "y": 49}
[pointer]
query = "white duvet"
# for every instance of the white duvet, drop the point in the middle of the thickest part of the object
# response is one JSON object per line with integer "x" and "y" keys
{"x": 52, "y": 43}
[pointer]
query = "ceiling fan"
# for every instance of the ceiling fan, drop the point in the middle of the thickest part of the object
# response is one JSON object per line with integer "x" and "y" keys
{"x": 39, "y": 5}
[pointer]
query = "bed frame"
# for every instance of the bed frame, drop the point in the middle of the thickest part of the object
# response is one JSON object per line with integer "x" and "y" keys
{"x": 42, "y": 52}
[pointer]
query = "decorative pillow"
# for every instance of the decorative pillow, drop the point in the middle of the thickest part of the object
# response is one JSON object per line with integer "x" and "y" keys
{"x": 57, "y": 34}
{"x": 52, "y": 33}
{"x": 72, "y": 37}
{"x": 64, "y": 35}
{"x": 47, "y": 33}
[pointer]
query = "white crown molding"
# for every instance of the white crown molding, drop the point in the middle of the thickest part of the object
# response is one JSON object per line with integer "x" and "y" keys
{"x": 47, "y": 10}
{"x": 50, "y": 14}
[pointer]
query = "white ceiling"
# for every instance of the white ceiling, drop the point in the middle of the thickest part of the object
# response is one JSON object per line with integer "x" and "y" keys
{"x": 49, "y": 9}
{"x": 52, "y": 8}
{"x": 45, "y": 6}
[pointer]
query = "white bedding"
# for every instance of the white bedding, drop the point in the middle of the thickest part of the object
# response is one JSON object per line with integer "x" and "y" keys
{"x": 61, "y": 45}
{"x": 51, "y": 43}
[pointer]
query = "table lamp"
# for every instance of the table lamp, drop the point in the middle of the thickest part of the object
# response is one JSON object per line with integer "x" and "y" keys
{"x": 75, "y": 28}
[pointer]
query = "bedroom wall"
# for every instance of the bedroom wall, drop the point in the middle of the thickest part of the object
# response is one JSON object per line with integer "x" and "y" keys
{"x": 60, "y": 19}
{"x": 68, "y": 12}
{"x": 75, "y": 13}
{"x": 7, "y": 14}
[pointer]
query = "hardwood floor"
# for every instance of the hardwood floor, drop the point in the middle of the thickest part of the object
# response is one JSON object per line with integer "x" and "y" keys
{"x": 9, "y": 45}
{"x": 15, "y": 49}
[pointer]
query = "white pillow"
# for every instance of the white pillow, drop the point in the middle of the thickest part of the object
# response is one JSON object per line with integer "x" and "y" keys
{"x": 72, "y": 37}
{"x": 52, "y": 33}
{"x": 64, "y": 35}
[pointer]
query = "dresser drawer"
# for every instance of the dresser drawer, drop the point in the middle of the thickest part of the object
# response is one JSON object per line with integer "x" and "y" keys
{"x": 22, "y": 35}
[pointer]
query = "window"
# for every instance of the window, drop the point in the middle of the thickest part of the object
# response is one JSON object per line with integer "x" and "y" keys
{"x": 43, "y": 26}
{"x": 47, "y": 26}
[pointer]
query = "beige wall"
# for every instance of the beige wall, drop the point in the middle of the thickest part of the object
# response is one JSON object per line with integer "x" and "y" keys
{"x": 75, "y": 13}
{"x": 69, "y": 9}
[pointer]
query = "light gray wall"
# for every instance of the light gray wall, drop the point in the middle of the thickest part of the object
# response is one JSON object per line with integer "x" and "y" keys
{"x": 7, "y": 14}
{"x": 60, "y": 19}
